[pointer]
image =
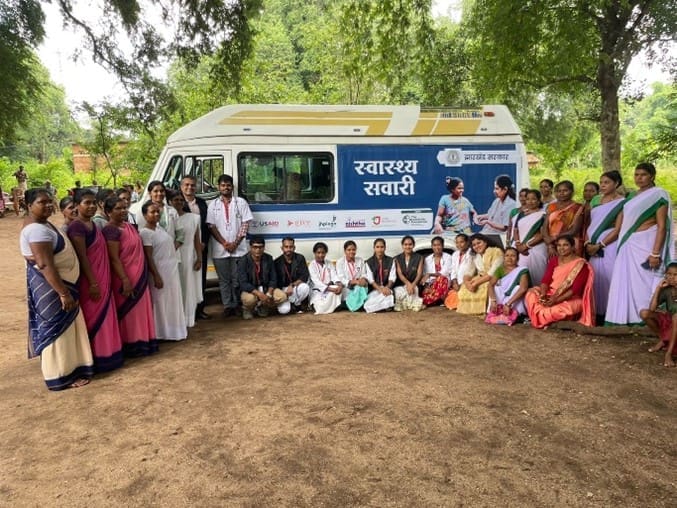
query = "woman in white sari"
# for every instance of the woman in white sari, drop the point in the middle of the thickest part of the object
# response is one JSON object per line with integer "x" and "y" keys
{"x": 528, "y": 239}
{"x": 326, "y": 288}
{"x": 507, "y": 288}
{"x": 644, "y": 249}
{"x": 601, "y": 235}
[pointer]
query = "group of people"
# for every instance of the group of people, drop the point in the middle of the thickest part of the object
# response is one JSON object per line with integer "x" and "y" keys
{"x": 105, "y": 286}
{"x": 109, "y": 285}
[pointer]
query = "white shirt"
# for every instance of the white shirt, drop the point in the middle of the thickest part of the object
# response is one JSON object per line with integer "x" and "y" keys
{"x": 461, "y": 265}
{"x": 392, "y": 276}
{"x": 228, "y": 225}
{"x": 322, "y": 276}
{"x": 445, "y": 262}
{"x": 499, "y": 213}
{"x": 348, "y": 271}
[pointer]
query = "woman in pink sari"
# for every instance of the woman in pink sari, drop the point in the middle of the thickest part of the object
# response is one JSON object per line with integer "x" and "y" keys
{"x": 96, "y": 297}
{"x": 130, "y": 281}
{"x": 563, "y": 217}
{"x": 565, "y": 292}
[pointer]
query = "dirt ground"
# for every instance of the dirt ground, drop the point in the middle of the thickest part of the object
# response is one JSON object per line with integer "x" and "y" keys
{"x": 394, "y": 409}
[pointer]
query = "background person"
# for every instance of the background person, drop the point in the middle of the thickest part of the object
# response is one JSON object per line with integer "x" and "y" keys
{"x": 21, "y": 179}
{"x": 100, "y": 219}
{"x": 546, "y": 187}
{"x": 56, "y": 327}
{"x": 198, "y": 206}
{"x": 228, "y": 218}
{"x": 69, "y": 210}
{"x": 563, "y": 217}
{"x": 292, "y": 274}
{"x": 258, "y": 281}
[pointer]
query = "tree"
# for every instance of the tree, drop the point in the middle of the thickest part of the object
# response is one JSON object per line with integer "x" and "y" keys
{"x": 20, "y": 31}
{"x": 576, "y": 46}
{"x": 133, "y": 38}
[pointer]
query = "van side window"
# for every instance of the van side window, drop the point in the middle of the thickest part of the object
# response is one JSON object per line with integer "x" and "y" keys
{"x": 205, "y": 168}
{"x": 286, "y": 177}
{"x": 173, "y": 173}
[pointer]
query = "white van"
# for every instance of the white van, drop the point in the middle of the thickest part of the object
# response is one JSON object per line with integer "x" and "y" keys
{"x": 332, "y": 173}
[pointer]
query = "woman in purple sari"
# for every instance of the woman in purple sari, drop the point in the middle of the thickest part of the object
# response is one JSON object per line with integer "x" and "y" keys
{"x": 96, "y": 298}
{"x": 130, "y": 281}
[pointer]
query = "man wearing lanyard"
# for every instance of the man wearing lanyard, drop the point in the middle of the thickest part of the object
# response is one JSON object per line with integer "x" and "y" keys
{"x": 258, "y": 281}
{"x": 197, "y": 205}
{"x": 228, "y": 218}
{"x": 292, "y": 274}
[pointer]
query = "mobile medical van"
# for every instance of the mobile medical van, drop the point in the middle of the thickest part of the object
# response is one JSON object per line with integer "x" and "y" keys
{"x": 332, "y": 173}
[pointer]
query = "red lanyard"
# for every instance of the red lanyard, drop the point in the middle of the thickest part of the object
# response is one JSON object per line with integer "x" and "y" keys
{"x": 380, "y": 272}
{"x": 324, "y": 270}
{"x": 257, "y": 272}
{"x": 351, "y": 269}
{"x": 438, "y": 266}
{"x": 286, "y": 270}
{"x": 226, "y": 210}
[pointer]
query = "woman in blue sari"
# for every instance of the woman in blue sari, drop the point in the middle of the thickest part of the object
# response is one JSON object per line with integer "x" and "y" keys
{"x": 56, "y": 328}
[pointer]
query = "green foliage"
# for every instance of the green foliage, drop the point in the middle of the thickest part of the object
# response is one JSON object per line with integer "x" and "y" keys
{"x": 581, "y": 48}
{"x": 55, "y": 170}
{"x": 649, "y": 127}
{"x": 20, "y": 30}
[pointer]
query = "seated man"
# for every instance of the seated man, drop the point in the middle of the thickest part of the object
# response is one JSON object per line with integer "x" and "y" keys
{"x": 258, "y": 282}
{"x": 292, "y": 274}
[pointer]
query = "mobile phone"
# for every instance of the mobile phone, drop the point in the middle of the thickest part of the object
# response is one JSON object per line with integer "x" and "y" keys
{"x": 646, "y": 266}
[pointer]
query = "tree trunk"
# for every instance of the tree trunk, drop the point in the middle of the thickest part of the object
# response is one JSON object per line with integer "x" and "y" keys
{"x": 609, "y": 123}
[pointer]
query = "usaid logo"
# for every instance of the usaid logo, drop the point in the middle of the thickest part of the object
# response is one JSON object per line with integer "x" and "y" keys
{"x": 267, "y": 224}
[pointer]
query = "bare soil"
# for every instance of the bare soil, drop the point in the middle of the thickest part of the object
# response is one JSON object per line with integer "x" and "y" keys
{"x": 393, "y": 409}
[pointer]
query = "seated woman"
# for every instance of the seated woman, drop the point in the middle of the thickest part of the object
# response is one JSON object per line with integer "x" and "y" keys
{"x": 436, "y": 272}
{"x": 381, "y": 274}
{"x": 326, "y": 289}
{"x": 352, "y": 272}
{"x": 565, "y": 292}
{"x": 461, "y": 265}
{"x": 472, "y": 297}
{"x": 507, "y": 289}
{"x": 661, "y": 316}
{"x": 409, "y": 266}
{"x": 163, "y": 265}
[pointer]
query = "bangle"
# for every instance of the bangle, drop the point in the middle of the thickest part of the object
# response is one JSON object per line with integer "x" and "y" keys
{"x": 94, "y": 284}
{"x": 655, "y": 255}
{"x": 602, "y": 244}
{"x": 528, "y": 244}
{"x": 63, "y": 295}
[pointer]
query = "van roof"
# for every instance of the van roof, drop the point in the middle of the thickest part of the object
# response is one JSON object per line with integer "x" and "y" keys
{"x": 351, "y": 121}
